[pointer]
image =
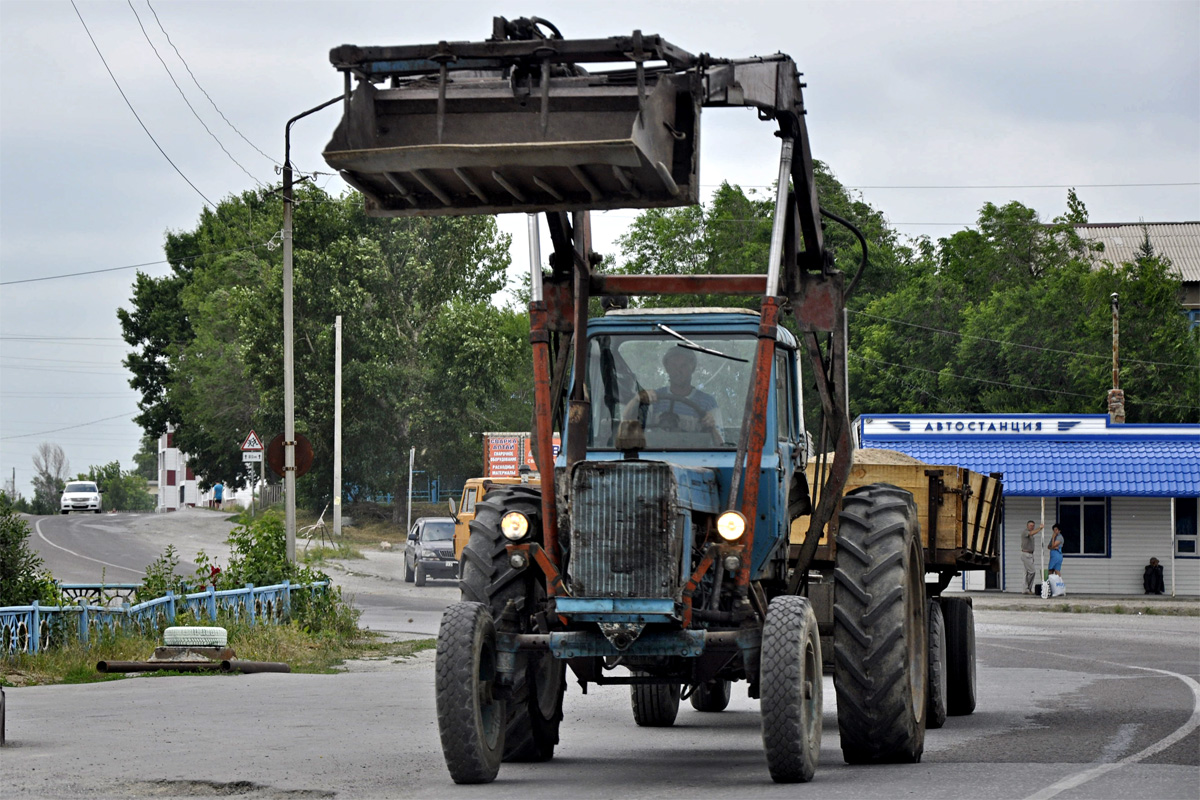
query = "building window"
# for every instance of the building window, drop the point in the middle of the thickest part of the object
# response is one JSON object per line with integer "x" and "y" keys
{"x": 191, "y": 476}
{"x": 170, "y": 477}
{"x": 170, "y": 440}
{"x": 1187, "y": 515}
{"x": 1084, "y": 524}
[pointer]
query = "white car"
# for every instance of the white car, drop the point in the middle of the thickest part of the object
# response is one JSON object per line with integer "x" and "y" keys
{"x": 80, "y": 496}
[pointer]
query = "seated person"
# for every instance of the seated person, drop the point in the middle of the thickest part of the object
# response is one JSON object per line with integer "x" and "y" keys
{"x": 679, "y": 407}
{"x": 1152, "y": 578}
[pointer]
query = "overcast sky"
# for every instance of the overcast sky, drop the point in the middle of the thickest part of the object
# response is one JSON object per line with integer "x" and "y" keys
{"x": 1032, "y": 97}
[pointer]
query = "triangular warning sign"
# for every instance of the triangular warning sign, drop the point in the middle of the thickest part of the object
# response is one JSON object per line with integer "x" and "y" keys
{"x": 252, "y": 442}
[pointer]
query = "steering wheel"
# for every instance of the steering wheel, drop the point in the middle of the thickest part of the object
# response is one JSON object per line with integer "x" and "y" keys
{"x": 669, "y": 420}
{"x": 643, "y": 402}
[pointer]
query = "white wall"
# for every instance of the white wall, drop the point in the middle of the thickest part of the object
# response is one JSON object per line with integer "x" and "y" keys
{"x": 1141, "y": 529}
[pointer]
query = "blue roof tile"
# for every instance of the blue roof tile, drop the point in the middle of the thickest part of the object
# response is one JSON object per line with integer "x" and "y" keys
{"x": 1056, "y": 468}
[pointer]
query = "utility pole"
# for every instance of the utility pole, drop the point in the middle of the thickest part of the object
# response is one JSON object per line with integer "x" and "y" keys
{"x": 1116, "y": 397}
{"x": 289, "y": 378}
{"x": 337, "y": 426}
{"x": 412, "y": 457}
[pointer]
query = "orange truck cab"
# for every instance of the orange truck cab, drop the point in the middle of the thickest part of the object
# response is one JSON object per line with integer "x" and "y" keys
{"x": 473, "y": 492}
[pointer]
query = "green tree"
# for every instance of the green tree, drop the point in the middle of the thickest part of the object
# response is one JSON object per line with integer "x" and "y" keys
{"x": 423, "y": 347}
{"x": 23, "y": 576}
{"x": 146, "y": 458}
{"x": 123, "y": 490}
{"x": 1014, "y": 317}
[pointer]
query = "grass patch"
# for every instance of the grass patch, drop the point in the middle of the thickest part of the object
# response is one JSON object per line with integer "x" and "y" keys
{"x": 301, "y": 647}
{"x": 318, "y": 554}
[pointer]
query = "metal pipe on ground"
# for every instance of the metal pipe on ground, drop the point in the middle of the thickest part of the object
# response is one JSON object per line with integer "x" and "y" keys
{"x": 250, "y": 667}
{"x": 156, "y": 666}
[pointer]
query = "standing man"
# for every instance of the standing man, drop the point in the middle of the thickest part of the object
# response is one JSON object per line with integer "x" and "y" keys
{"x": 1027, "y": 554}
{"x": 218, "y": 493}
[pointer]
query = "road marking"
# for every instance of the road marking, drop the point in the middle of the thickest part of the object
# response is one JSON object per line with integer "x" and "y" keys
{"x": 38, "y": 527}
{"x": 1080, "y": 778}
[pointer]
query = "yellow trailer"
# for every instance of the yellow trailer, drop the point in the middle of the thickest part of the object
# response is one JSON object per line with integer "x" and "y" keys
{"x": 958, "y": 509}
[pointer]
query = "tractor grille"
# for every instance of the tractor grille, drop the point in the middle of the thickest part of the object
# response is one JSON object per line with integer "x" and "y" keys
{"x": 625, "y": 540}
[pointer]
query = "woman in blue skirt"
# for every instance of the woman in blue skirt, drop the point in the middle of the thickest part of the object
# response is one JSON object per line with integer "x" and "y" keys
{"x": 1055, "y": 546}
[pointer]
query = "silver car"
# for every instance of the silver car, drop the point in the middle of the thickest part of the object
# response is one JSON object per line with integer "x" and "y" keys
{"x": 80, "y": 496}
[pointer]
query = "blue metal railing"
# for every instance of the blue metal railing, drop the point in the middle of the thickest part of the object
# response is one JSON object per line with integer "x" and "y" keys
{"x": 29, "y": 629}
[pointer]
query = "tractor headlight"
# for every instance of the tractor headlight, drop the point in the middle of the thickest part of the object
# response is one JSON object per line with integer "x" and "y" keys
{"x": 514, "y": 525}
{"x": 731, "y": 525}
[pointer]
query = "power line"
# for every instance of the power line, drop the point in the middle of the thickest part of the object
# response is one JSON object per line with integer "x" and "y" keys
{"x": 134, "y": 112}
{"x": 201, "y": 88}
{"x": 67, "y": 370}
{"x": 30, "y": 337}
{"x": 186, "y": 101}
{"x": 69, "y": 427}
{"x": 1017, "y": 344}
{"x": 77, "y": 362}
{"x": 1035, "y": 186}
{"x": 134, "y": 266}
{"x": 983, "y": 186}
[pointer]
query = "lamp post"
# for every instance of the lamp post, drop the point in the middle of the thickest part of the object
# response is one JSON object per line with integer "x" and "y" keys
{"x": 289, "y": 381}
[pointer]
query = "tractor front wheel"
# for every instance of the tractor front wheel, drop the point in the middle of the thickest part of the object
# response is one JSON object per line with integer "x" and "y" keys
{"x": 791, "y": 690}
{"x": 514, "y": 597}
{"x": 470, "y": 717}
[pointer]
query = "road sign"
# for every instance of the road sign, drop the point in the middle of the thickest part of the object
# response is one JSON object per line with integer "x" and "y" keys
{"x": 252, "y": 455}
{"x": 304, "y": 455}
{"x": 252, "y": 443}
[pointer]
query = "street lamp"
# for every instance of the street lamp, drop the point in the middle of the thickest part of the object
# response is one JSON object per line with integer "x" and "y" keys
{"x": 289, "y": 381}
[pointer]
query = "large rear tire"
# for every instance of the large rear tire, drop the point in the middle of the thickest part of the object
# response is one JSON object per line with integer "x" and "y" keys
{"x": 655, "y": 705}
{"x": 960, "y": 655}
{"x": 791, "y": 690}
{"x": 881, "y": 658}
{"x": 513, "y": 595}
{"x": 935, "y": 709}
{"x": 470, "y": 718}
{"x": 712, "y": 696}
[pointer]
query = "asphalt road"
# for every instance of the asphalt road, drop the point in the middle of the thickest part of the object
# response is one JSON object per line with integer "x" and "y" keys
{"x": 1070, "y": 705}
{"x": 117, "y": 548}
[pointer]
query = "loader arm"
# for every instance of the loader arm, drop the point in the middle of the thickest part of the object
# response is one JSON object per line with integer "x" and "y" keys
{"x": 518, "y": 123}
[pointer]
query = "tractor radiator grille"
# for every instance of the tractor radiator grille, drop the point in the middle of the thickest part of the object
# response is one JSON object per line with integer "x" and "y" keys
{"x": 625, "y": 536}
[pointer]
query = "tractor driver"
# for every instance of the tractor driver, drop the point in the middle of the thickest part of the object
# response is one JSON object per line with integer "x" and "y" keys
{"x": 680, "y": 406}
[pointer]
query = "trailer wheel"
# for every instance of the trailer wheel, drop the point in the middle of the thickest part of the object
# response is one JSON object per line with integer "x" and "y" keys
{"x": 535, "y": 701}
{"x": 419, "y": 575}
{"x": 881, "y": 658}
{"x": 470, "y": 717}
{"x": 791, "y": 690}
{"x": 655, "y": 705}
{"x": 960, "y": 655}
{"x": 935, "y": 708}
{"x": 712, "y": 695}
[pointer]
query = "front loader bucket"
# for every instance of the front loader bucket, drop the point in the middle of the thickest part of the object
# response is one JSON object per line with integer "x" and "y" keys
{"x": 484, "y": 144}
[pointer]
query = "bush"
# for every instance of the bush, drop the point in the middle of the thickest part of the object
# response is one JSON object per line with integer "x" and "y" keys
{"x": 23, "y": 578}
{"x": 161, "y": 578}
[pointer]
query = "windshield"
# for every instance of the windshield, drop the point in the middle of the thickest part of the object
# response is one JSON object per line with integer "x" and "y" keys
{"x": 680, "y": 398}
{"x": 80, "y": 488}
{"x": 438, "y": 531}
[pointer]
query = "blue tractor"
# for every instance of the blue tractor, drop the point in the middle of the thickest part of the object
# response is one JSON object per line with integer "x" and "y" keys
{"x": 684, "y": 540}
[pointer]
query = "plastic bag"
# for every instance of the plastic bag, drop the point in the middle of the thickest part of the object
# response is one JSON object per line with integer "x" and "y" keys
{"x": 1054, "y": 587}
